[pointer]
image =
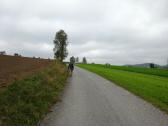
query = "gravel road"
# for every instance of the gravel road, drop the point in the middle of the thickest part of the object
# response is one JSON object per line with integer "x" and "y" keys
{"x": 90, "y": 100}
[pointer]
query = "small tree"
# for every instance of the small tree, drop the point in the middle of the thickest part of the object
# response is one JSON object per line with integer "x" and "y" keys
{"x": 60, "y": 42}
{"x": 84, "y": 60}
{"x": 152, "y": 65}
{"x": 77, "y": 59}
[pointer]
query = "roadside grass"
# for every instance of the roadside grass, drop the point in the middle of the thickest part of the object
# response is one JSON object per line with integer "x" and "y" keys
{"x": 150, "y": 71}
{"x": 25, "y": 102}
{"x": 149, "y": 87}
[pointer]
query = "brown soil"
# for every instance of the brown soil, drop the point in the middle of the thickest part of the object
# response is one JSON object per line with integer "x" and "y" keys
{"x": 14, "y": 67}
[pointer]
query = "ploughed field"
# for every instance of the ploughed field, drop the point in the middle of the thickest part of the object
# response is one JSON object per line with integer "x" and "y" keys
{"x": 149, "y": 84}
{"x": 15, "y": 67}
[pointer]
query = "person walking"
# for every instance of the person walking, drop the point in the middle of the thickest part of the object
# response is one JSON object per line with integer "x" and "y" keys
{"x": 71, "y": 65}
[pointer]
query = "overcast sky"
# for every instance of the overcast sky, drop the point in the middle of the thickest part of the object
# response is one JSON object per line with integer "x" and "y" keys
{"x": 104, "y": 31}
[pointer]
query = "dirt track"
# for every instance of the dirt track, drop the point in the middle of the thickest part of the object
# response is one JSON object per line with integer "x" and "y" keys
{"x": 15, "y": 67}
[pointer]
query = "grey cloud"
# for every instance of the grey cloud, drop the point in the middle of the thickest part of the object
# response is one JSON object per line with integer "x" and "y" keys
{"x": 114, "y": 31}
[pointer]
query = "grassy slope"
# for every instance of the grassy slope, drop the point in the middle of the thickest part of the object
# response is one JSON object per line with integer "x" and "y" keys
{"x": 152, "y": 88}
{"x": 25, "y": 102}
{"x": 154, "y": 71}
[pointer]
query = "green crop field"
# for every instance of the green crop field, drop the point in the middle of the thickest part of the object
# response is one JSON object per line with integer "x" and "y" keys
{"x": 149, "y": 87}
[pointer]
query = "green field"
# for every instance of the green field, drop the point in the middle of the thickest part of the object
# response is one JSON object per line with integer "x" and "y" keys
{"x": 153, "y": 71}
{"x": 150, "y": 87}
{"x": 25, "y": 102}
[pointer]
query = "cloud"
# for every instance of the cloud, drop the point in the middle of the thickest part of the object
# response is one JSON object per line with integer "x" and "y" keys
{"x": 113, "y": 31}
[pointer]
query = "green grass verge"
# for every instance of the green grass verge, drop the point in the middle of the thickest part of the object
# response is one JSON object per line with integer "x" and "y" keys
{"x": 152, "y": 88}
{"x": 25, "y": 102}
{"x": 150, "y": 71}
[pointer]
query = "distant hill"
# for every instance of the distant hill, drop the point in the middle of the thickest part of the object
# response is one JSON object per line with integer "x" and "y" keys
{"x": 146, "y": 65}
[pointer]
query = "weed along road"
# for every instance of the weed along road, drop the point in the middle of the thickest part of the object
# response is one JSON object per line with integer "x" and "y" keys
{"x": 90, "y": 100}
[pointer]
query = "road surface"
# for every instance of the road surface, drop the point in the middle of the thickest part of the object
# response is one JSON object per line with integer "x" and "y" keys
{"x": 90, "y": 100}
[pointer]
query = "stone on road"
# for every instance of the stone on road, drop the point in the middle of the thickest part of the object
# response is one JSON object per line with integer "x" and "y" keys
{"x": 90, "y": 100}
